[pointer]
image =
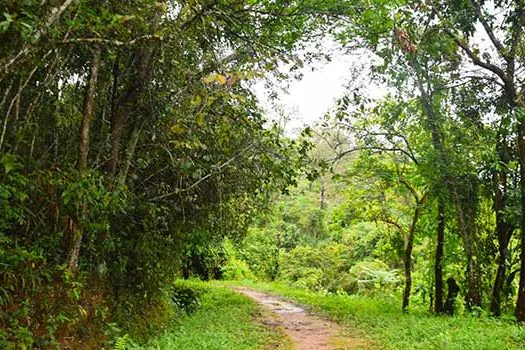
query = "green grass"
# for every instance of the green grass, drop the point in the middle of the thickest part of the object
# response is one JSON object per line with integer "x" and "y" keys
{"x": 381, "y": 320}
{"x": 225, "y": 320}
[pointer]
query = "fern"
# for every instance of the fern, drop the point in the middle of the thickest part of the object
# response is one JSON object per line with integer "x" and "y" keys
{"x": 121, "y": 342}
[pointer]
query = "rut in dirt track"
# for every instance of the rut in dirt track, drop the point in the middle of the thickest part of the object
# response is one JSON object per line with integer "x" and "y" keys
{"x": 306, "y": 331}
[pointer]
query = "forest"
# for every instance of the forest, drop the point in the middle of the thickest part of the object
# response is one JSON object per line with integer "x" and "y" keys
{"x": 142, "y": 179}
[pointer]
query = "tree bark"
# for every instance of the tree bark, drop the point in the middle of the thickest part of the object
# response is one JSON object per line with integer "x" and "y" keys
{"x": 89, "y": 101}
{"x": 495, "y": 300}
{"x": 520, "y": 303}
{"x": 473, "y": 297}
{"x": 503, "y": 232}
{"x": 408, "y": 256}
{"x": 437, "y": 145}
{"x": 74, "y": 247}
{"x": 130, "y": 151}
{"x": 75, "y": 231}
{"x": 438, "y": 265}
{"x": 127, "y": 106}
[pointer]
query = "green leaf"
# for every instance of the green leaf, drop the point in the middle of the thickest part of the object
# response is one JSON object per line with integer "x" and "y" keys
{"x": 200, "y": 119}
{"x": 9, "y": 162}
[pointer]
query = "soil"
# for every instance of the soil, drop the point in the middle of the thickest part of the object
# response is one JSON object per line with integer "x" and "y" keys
{"x": 305, "y": 330}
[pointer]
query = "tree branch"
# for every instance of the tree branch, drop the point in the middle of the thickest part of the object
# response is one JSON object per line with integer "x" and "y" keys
{"x": 215, "y": 169}
{"x": 490, "y": 32}
{"x": 110, "y": 41}
{"x": 507, "y": 81}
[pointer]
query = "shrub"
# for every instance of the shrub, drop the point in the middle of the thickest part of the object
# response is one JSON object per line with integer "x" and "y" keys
{"x": 235, "y": 269}
{"x": 186, "y": 297}
{"x": 373, "y": 276}
{"x": 316, "y": 268}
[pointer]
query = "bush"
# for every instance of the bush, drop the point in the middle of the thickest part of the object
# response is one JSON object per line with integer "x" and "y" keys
{"x": 373, "y": 276}
{"x": 261, "y": 252}
{"x": 186, "y": 297}
{"x": 316, "y": 268}
{"x": 235, "y": 269}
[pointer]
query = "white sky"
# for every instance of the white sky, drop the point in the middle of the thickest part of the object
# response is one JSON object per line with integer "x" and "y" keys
{"x": 305, "y": 101}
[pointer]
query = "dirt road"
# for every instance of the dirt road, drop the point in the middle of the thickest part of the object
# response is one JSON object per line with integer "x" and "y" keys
{"x": 306, "y": 331}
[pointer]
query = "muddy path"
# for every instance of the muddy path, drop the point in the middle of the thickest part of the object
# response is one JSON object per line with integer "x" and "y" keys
{"x": 306, "y": 331}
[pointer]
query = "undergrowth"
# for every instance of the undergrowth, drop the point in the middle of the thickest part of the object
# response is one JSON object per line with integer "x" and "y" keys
{"x": 219, "y": 319}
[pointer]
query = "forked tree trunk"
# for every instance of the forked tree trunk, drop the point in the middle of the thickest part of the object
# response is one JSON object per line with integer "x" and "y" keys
{"x": 409, "y": 241}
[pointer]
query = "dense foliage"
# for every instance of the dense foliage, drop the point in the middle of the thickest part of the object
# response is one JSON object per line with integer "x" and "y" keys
{"x": 131, "y": 146}
{"x": 439, "y": 160}
{"x": 132, "y": 150}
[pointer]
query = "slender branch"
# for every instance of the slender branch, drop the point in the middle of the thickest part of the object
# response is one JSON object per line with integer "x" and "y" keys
{"x": 389, "y": 136}
{"x": 4, "y": 99}
{"x": 55, "y": 15}
{"x": 374, "y": 149}
{"x": 490, "y": 32}
{"x": 111, "y": 41}
{"x": 22, "y": 87}
{"x": 475, "y": 58}
{"x": 215, "y": 169}
{"x": 56, "y": 12}
{"x": 507, "y": 81}
{"x": 388, "y": 220}
{"x": 412, "y": 190}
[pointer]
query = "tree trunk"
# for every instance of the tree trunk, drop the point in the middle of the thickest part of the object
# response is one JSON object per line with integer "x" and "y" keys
{"x": 408, "y": 257}
{"x": 322, "y": 203}
{"x": 438, "y": 266}
{"x": 409, "y": 241}
{"x": 127, "y": 107}
{"x": 130, "y": 151}
{"x": 437, "y": 145}
{"x": 520, "y": 303}
{"x": 75, "y": 231}
{"x": 453, "y": 290}
{"x": 88, "y": 111}
{"x": 473, "y": 297}
{"x": 503, "y": 232}
{"x": 495, "y": 301}
{"x": 473, "y": 292}
{"x": 74, "y": 248}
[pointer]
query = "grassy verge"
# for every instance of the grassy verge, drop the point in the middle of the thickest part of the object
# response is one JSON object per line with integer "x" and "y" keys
{"x": 382, "y": 321}
{"x": 225, "y": 320}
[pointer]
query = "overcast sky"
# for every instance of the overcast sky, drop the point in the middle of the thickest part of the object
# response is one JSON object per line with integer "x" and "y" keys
{"x": 305, "y": 101}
